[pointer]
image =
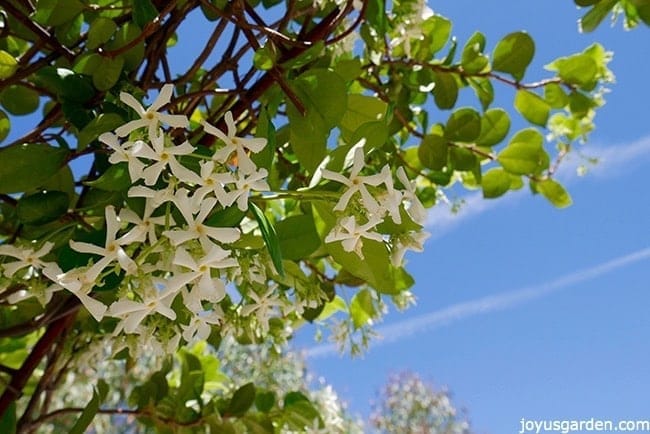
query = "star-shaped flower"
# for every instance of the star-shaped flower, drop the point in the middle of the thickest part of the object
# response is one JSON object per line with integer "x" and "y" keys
{"x": 235, "y": 144}
{"x": 164, "y": 156}
{"x": 150, "y": 117}
{"x": 350, "y": 234}
{"x": 26, "y": 257}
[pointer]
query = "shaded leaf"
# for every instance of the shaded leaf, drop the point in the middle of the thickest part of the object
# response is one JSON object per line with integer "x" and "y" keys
{"x": 38, "y": 160}
{"x": 269, "y": 235}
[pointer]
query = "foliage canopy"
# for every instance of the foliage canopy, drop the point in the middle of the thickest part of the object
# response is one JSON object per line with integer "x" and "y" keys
{"x": 294, "y": 155}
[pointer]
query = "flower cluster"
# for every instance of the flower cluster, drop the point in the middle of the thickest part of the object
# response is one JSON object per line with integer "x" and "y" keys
{"x": 178, "y": 266}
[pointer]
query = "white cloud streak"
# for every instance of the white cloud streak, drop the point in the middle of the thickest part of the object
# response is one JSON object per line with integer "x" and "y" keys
{"x": 493, "y": 303}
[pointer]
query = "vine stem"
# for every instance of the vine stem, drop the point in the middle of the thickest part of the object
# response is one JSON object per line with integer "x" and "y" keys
{"x": 42, "y": 347}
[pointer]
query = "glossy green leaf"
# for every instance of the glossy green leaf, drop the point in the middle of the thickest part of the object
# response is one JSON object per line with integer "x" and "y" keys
{"x": 437, "y": 30}
{"x": 40, "y": 161}
{"x": 299, "y": 413}
{"x": 580, "y": 70}
{"x": 483, "y": 89}
{"x": 8, "y": 420}
{"x": 124, "y": 35}
{"x": 580, "y": 104}
{"x": 19, "y": 100}
{"x": 462, "y": 159}
{"x": 555, "y": 96}
{"x": 242, "y": 400}
{"x": 473, "y": 60}
{"x": 87, "y": 416}
{"x": 5, "y": 125}
{"x": 362, "y": 308}
{"x": 525, "y": 153}
{"x": 264, "y": 400}
{"x": 57, "y": 12}
{"x": 101, "y": 124}
{"x": 433, "y": 152}
{"x": 513, "y": 54}
{"x": 596, "y": 15}
{"x": 265, "y": 57}
{"x": 445, "y": 90}
{"x": 269, "y": 235}
{"x": 144, "y": 12}
{"x": 115, "y": 178}
{"x": 361, "y": 109}
{"x": 108, "y": 72}
{"x": 376, "y": 15}
{"x": 532, "y": 107}
{"x": 554, "y": 192}
{"x": 324, "y": 95}
{"x": 495, "y": 182}
{"x": 101, "y": 30}
{"x": 8, "y": 65}
{"x": 495, "y": 124}
{"x": 297, "y": 236}
{"x": 42, "y": 207}
{"x": 464, "y": 125}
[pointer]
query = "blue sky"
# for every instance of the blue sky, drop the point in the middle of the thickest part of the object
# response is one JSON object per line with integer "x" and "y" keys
{"x": 526, "y": 311}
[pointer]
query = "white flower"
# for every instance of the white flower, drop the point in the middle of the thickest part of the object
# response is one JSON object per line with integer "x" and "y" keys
{"x": 213, "y": 182}
{"x": 391, "y": 199}
{"x": 145, "y": 227}
{"x": 112, "y": 249}
{"x": 133, "y": 313}
{"x": 124, "y": 153}
{"x": 164, "y": 156}
{"x": 158, "y": 196}
{"x": 26, "y": 257}
{"x": 350, "y": 234}
{"x": 235, "y": 144}
{"x": 199, "y": 327}
{"x": 208, "y": 288}
{"x": 245, "y": 183}
{"x": 150, "y": 117}
{"x": 79, "y": 281}
{"x": 356, "y": 183}
{"x": 195, "y": 227}
{"x": 415, "y": 208}
{"x": 408, "y": 241}
{"x": 263, "y": 307}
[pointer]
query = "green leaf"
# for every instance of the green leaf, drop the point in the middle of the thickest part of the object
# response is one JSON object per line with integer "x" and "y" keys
{"x": 108, "y": 72}
{"x": 5, "y": 125}
{"x": 115, "y": 178}
{"x": 270, "y": 237}
{"x": 42, "y": 207}
{"x": 495, "y": 124}
{"x": 264, "y": 400}
{"x": 580, "y": 70}
{"x": 596, "y": 15}
{"x": 464, "y": 125}
{"x": 376, "y": 15}
{"x": 483, "y": 89}
{"x": 144, "y": 12}
{"x": 8, "y": 65}
{"x": 87, "y": 416}
{"x": 101, "y": 124}
{"x": 513, "y": 54}
{"x": 445, "y": 90}
{"x": 532, "y": 107}
{"x": 324, "y": 95}
{"x": 265, "y": 58}
{"x": 580, "y": 104}
{"x": 19, "y": 100}
{"x": 297, "y": 236}
{"x": 299, "y": 412}
{"x": 554, "y": 192}
{"x": 361, "y": 109}
{"x": 100, "y": 32}
{"x": 555, "y": 96}
{"x": 332, "y": 307}
{"x": 26, "y": 167}
{"x": 495, "y": 183}
{"x": 8, "y": 420}
{"x": 57, "y": 12}
{"x": 362, "y": 308}
{"x": 462, "y": 159}
{"x": 433, "y": 152}
{"x": 242, "y": 400}
{"x": 473, "y": 60}
{"x": 437, "y": 30}
{"x": 125, "y": 34}
{"x": 525, "y": 153}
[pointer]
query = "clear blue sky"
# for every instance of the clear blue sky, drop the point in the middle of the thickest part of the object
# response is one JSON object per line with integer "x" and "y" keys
{"x": 579, "y": 349}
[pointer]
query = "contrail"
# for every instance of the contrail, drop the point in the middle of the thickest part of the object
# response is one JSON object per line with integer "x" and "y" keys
{"x": 492, "y": 303}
